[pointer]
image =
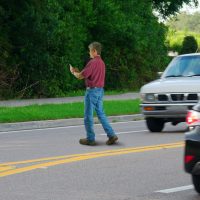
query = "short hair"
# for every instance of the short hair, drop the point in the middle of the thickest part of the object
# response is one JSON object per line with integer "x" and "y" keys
{"x": 97, "y": 46}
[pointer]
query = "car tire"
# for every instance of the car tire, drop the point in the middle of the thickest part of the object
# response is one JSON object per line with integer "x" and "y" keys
{"x": 196, "y": 182}
{"x": 154, "y": 124}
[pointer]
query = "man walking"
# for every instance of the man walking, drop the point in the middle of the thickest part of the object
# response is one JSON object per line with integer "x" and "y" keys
{"x": 94, "y": 75}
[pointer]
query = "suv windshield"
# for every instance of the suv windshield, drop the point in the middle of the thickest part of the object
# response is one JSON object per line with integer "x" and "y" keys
{"x": 183, "y": 66}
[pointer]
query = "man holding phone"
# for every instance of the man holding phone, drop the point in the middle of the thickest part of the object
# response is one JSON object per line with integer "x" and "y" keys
{"x": 94, "y": 75}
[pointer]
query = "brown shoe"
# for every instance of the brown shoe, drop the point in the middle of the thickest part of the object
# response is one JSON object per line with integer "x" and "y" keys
{"x": 85, "y": 141}
{"x": 112, "y": 140}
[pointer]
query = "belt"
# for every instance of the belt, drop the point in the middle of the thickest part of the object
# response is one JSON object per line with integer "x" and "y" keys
{"x": 92, "y": 87}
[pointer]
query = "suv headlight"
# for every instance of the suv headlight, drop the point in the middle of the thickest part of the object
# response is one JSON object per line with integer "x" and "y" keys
{"x": 148, "y": 97}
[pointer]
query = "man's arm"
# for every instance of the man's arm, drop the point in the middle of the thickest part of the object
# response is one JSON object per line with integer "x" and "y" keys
{"x": 78, "y": 75}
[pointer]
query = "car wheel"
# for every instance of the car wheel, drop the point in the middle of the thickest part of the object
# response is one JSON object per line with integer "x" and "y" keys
{"x": 154, "y": 124}
{"x": 196, "y": 182}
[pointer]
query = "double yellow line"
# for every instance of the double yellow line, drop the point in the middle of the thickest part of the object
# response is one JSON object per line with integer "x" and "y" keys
{"x": 10, "y": 168}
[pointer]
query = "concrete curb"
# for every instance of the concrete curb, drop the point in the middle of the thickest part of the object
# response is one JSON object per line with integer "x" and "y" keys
{"x": 5, "y": 127}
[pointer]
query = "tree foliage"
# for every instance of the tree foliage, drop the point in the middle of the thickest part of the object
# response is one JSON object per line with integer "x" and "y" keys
{"x": 185, "y": 22}
{"x": 133, "y": 42}
{"x": 46, "y": 36}
{"x": 168, "y": 8}
{"x": 8, "y": 67}
{"x": 38, "y": 39}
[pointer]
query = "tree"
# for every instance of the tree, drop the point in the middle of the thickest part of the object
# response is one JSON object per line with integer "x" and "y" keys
{"x": 133, "y": 42}
{"x": 185, "y": 22}
{"x": 170, "y": 7}
{"x": 39, "y": 38}
{"x": 8, "y": 68}
{"x": 46, "y": 36}
{"x": 189, "y": 45}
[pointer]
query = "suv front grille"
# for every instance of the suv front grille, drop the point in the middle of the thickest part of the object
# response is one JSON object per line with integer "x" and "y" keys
{"x": 162, "y": 97}
{"x": 192, "y": 97}
{"x": 180, "y": 97}
{"x": 177, "y": 97}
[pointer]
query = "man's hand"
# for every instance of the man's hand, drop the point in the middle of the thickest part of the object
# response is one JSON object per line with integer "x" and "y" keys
{"x": 73, "y": 69}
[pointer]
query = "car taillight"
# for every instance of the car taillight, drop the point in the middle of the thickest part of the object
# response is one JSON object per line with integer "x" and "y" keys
{"x": 188, "y": 158}
{"x": 192, "y": 117}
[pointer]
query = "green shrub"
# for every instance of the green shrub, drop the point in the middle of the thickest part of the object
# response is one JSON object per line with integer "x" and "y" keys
{"x": 175, "y": 39}
{"x": 189, "y": 45}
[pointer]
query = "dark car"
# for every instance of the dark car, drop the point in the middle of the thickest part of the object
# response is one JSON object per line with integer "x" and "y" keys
{"x": 192, "y": 146}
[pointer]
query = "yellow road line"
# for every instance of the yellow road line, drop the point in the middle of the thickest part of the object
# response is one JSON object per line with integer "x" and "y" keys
{"x": 86, "y": 156}
{"x": 91, "y": 153}
{"x": 37, "y": 160}
{"x": 6, "y": 168}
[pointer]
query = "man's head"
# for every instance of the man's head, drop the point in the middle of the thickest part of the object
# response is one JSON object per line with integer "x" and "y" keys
{"x": 95, "y": 49}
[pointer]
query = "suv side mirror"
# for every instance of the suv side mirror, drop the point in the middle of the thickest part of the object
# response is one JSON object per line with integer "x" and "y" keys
{"x": 159, "y": 74}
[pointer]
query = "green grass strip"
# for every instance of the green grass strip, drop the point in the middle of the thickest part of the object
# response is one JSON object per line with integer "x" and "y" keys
{"x": 64, "y": 111}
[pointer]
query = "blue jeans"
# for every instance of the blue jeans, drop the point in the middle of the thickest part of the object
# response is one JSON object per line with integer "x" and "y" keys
{"x": 94, "y": 101}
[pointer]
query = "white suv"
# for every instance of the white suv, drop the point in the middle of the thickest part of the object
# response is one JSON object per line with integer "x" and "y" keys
{"x": 178, "y": 90}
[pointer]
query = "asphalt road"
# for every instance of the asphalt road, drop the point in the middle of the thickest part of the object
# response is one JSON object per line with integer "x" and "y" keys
{"x": 49, "y": 164}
